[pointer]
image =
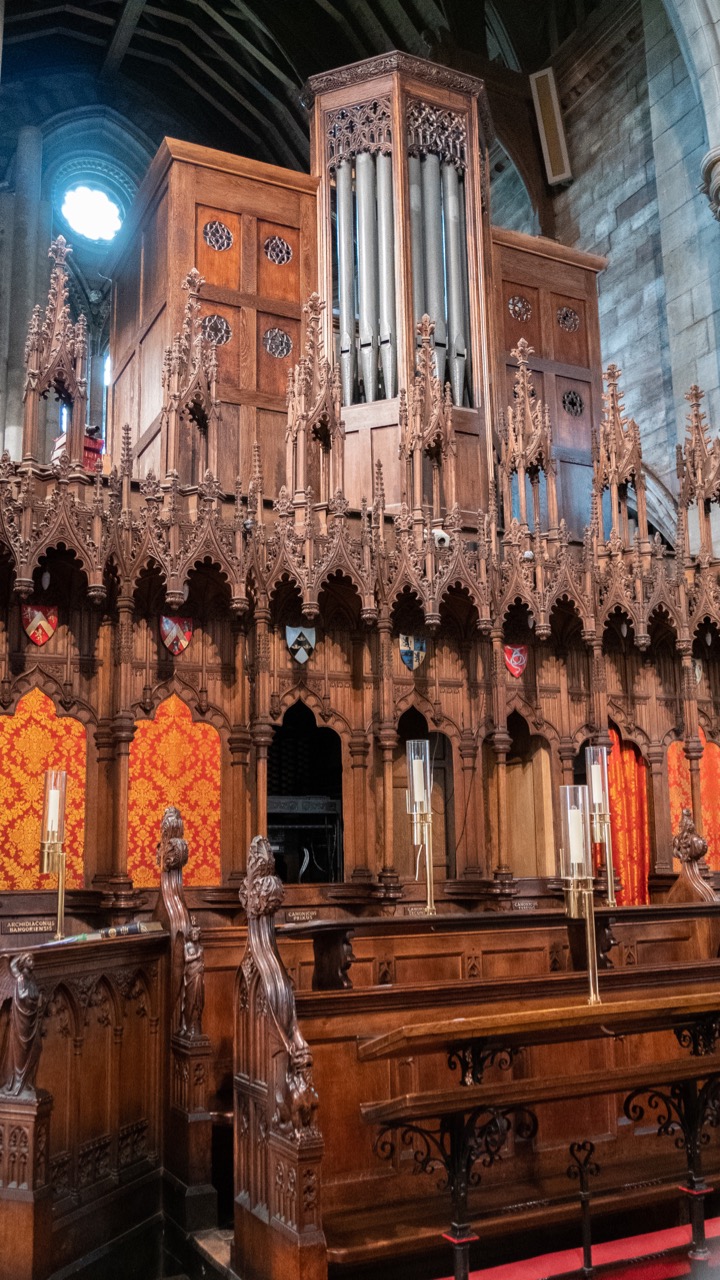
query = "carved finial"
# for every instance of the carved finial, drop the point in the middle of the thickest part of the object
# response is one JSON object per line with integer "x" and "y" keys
{"x": 261, "y": 893}
{"x": 23, "y": 1039}
{"x": 193, "y": 281}
{"x": 59, "y": 250}
{"x": 172, "y": 850}
{"x": 687, "y": 845}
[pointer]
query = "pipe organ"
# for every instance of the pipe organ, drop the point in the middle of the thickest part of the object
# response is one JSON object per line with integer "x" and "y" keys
{"x": 400, "y": 150}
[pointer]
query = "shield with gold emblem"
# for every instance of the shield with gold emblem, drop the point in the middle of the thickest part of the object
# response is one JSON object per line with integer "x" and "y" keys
{"x": 40, "y": 621}
{"x": 176, "y": 633}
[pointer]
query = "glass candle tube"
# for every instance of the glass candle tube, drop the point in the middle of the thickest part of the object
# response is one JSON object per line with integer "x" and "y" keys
{"x": 597, "y": 776}
{"x": 53, "y": 820}
{"x": 575, "y": 852}
{"x": 419, "y": 775}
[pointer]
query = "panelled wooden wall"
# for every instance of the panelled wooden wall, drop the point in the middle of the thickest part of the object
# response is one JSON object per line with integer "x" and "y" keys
{"x": 250, "y": 229}
{"x": 547, "y": 294}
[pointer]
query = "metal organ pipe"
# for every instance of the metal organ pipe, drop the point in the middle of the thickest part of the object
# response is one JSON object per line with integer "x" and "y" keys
{"x": 456, "y": 336}
{"x": 346, "y": 277}
{"x": 434, "y": 265}
{"x": 466, "y": 287}
{"x": 367, "y": 251}
{"x": 386, "y": 270}
{"x": 416, "y": 238}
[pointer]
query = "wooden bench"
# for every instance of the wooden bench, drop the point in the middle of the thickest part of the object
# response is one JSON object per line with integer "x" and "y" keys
{"x": 475, "y": 1120}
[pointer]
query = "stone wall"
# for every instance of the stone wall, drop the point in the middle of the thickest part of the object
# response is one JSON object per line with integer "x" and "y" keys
{"x": 611, "y": 208}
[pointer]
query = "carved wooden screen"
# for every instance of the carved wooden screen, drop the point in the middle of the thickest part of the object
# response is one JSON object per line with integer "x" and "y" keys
{"x": 32, "y": 740}
{"x": 174, "y": 761}
{"x": 547, "y": 295}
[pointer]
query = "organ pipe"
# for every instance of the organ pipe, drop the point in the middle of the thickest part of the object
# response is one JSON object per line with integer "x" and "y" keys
{"x": 346, "y": 278}
{"x": 386, "y": 268}
{"x": 367, "y": 252}
{"x": 416, "y": 238}
{"x": 434, "y": 266}
{"x": 466, "y": 287}
{"x": 456, "y": 333}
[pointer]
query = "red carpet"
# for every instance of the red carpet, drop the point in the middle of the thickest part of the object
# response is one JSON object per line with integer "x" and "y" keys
{"x": 630, "y": 1259}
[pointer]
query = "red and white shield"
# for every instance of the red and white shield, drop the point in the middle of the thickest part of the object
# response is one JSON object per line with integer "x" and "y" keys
{"x": 40, "y": 621}
{"x": 176, "y": 633}
{"x": 516, "y": 658}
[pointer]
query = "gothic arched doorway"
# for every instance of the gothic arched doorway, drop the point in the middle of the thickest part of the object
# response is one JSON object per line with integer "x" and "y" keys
{"x": 305, "y": 799}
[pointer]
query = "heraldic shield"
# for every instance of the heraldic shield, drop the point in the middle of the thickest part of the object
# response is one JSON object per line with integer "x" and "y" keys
{"x": 300, "y": 642}
{"x": 516, "y": 658}
{"x": 412, "y": 651}
{"x": 176, "y": 633}
{"x": 39, "y": 621}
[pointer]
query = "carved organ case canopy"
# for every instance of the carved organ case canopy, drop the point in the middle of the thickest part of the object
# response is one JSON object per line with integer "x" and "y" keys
{"x": 249, "y": 229}
{"x": 400, "y": 147}
{"x": 546, "y": 294}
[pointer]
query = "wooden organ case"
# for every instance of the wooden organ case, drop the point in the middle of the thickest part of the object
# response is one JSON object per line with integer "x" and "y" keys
{"x": 249, "y": 229}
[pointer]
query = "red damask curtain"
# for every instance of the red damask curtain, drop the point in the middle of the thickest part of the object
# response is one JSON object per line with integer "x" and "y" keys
{"x": 32, "y": 740}
{"x": 681, "y": 797}
{"x": 174, "y": 761}
{"x": 629, "y": 823}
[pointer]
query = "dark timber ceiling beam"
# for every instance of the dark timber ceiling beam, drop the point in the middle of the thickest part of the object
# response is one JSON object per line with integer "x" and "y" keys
{"x": 123, "y": 34}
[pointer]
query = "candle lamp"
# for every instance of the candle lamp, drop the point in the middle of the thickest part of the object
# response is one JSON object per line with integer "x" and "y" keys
{"x": 419, "y": 806}
{"x": 576, "y": 872}
{"x": 597, "y": 776}
{"x": 52, "y": 836}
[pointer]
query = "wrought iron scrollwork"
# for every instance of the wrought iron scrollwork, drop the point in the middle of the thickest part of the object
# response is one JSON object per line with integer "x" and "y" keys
{"x": 473, "y": 1059}
{"x": 459, "y": 1146}
{"x": 701, "y": 1036}
{"x": 684, "y": 1112}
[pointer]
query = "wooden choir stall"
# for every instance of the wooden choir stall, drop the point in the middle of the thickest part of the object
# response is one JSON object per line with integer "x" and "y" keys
{"x": 366, "y": 497}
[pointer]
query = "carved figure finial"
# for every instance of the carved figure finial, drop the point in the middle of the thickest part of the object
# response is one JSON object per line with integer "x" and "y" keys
{"x": 172, "y": 850}
{"x": 687, "y": 845}
{"x": 262, "y": 891}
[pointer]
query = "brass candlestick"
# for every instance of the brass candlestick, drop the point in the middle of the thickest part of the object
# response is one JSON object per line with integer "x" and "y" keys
{"x": 422, "y": 838}
{"x": 579, "y": 905}
{"x": 53, "y": 861}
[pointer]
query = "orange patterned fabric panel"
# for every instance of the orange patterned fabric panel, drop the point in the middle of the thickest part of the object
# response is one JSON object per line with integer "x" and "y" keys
{"x": 630, "y": 828}
{"x": 681, "y": 795}
{"x": 34, "y": 739}
{"x": 174, "y": 761}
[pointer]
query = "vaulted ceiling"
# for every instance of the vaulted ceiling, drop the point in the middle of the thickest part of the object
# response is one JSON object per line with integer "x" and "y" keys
{"x": 230, "y": 71}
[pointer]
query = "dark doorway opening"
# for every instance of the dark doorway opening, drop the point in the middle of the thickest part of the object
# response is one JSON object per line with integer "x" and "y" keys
{"x": 305, "y": 799}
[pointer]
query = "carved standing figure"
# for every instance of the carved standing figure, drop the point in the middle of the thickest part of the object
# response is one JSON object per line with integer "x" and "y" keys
{"x": 23, "y": 1041}
{"x": 193, "y": 988}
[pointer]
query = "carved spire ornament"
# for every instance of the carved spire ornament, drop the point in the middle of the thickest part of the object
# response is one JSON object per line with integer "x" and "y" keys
{"x": 191, "y": 409}
{"x": 618, "y": 461}
{"x": 56, "y": 360}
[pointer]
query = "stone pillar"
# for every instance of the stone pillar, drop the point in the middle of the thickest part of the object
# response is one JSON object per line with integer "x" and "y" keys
{"x": 23, "y": 277}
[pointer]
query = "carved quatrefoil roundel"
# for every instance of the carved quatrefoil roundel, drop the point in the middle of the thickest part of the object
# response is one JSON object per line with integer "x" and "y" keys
{"x": 519, "y": 308}
{"x": 568, "y": 319}
{"x": 277, "y": 250}
{"x": 277, "y": 343}
{"x": 217, "y": 235}
{"x": 216, "y": 329}
{"x": 572, "y": 403}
